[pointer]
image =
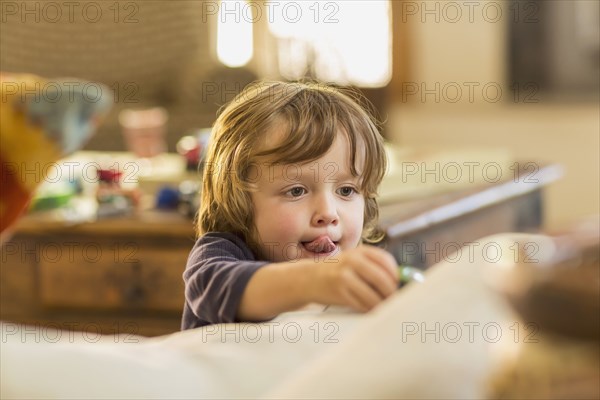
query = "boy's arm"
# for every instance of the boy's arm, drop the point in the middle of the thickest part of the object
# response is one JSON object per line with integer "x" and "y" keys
{"x": 275, "y": 289}
{"x": 360, "y": 278}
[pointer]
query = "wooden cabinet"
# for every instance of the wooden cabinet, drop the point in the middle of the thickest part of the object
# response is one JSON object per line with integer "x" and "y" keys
{"x": 149, "y": 280}
{"x": 103, "y": 275}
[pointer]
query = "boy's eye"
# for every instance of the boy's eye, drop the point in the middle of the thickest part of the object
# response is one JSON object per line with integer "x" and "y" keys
{"x": 347, "y": 191}
{"x": 296, "y": 191}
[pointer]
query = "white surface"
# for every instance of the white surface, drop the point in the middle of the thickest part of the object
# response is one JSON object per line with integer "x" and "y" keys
{"x": 376, "y": 355}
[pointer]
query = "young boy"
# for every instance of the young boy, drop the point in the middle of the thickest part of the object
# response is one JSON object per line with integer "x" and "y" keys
{"x": 289, "y": 189}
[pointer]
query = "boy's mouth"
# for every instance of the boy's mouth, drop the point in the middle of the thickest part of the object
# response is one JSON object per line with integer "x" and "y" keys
{"x": 322, "y": 244}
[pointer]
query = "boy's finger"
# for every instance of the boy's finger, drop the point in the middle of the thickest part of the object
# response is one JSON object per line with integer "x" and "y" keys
{"x": 384, "y": 259}
{"x": 353, "y": 302}
{"x": 364, "y": 293}
{"x": 376, "y": 276}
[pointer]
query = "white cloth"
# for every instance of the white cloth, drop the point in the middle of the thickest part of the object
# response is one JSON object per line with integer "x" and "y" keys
{"x": 431, "y": 340}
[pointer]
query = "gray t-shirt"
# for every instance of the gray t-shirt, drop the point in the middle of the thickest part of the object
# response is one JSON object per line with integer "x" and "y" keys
{"x": 217, "y": 272}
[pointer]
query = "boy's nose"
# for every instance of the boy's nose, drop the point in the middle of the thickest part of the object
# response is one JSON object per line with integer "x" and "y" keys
{"x": 325, "y": 212}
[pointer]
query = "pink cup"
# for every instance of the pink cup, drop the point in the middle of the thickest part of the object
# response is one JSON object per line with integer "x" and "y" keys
{"x": 144, "y": 131}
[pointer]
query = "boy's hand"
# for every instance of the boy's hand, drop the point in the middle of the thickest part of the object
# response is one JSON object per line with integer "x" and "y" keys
{"x": 360, "y": 278}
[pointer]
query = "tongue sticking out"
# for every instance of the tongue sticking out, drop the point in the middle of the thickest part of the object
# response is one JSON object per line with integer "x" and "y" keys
{"x": 321, "y": 244}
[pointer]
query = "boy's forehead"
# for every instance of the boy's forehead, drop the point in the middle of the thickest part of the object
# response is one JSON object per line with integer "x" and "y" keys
{"x": 273, "y": 136}
{"x": 336, "y": 161}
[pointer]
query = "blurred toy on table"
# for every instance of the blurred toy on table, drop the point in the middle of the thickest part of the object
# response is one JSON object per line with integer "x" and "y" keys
{"x": 113, "y": 199}
{"x": 185, "y": 198}
{"x": 193, "y": 148}
{"x": 114, "y": 184}
{"x": 51, "y": 195}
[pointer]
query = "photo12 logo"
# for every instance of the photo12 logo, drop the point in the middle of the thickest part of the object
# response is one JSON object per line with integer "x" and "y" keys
{"x": 453, "y": 252}
{"x": 224, "y": 92}
{"x": 453, "y": 12}
{"x": 467, "y": 171}
{"x": 65, "y": 91}
{"x": 70, "y": 252}
{"x": 69, "y": 332}
{"x": 291, "y": 12}
{"x": 289, "y": 332}
{"x": 469, "y": 92}
{"x": 54, "y": 172}
{"x": 69, "y": 11}
{"x": 469, "y": 331}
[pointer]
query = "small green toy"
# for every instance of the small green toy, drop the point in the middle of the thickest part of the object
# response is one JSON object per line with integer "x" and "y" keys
{"x": 408, "y": 274}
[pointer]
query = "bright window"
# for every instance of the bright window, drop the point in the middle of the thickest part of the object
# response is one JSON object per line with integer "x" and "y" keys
{"x": 346, "y": 42}
{"x": 234, "y": 33}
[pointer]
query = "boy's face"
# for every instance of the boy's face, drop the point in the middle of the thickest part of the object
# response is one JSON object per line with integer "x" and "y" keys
{"x": 311, "y": 210}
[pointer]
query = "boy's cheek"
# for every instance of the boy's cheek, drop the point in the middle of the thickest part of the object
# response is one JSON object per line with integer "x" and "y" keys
{"x": 356, "y": 237}
{"x": 287, "y": 228}
{"x": 354, "y": 228}
{"x": 280, "y": 225}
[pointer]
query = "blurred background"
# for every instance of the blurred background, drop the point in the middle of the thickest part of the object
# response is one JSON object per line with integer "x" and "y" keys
{"x": 520, "y": 76}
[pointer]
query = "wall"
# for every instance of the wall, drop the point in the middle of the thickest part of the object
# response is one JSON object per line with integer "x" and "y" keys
{"x": 471, "y": 53}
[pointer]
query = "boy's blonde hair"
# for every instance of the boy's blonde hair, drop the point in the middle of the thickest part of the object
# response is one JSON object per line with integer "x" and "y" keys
{"x": 312, "y": 115}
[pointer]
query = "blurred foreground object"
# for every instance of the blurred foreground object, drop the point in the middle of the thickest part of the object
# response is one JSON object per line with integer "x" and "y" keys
{"x": 560, "y": 300}
{"x": 41, "y": 121}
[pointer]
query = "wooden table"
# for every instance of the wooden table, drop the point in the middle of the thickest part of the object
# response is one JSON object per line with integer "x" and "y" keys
{"x": 124, "y": 275}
